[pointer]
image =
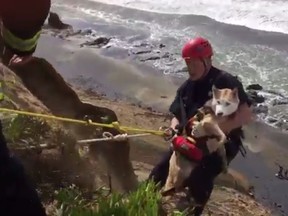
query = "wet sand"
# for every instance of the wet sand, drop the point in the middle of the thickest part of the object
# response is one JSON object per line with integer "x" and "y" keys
{"x": 85, "y": 67}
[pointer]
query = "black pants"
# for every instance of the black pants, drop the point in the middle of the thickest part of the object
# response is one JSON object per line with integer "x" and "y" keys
{"x": 201, "y": 180}
{"x": 17, "y": 195}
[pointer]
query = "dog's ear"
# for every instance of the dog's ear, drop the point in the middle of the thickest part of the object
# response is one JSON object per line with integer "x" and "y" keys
{"x": 214, "y": 91}
{"x": 235, "y": 92}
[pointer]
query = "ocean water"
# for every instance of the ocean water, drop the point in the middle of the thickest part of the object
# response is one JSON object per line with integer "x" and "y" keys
{"x": 252, "y": 54}
{"x": 259, "y": 14}
{"x": 249, "y": 38}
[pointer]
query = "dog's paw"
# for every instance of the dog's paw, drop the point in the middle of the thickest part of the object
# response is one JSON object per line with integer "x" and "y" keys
{"x": 213, "y": 145}
{"x": 197, "y": 131}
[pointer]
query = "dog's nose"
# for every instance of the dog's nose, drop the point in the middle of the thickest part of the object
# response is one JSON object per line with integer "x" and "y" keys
{"x": 220, "y": 114}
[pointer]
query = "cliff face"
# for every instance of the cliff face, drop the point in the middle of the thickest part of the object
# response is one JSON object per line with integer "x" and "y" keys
{"x": 41, "y": 81}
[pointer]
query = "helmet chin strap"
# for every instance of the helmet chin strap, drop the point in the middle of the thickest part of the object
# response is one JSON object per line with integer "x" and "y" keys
{"x": 206, "y": 69}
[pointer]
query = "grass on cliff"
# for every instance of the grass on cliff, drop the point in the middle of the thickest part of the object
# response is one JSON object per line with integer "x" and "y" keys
{"x": 23, "y": 129}
{"x": 25, "y": 132}
{"x": 145, "y": 201}
{"x": 72, "y": 201}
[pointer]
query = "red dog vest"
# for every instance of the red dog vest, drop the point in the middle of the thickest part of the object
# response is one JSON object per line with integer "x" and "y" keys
{"x": 187, "y": 148}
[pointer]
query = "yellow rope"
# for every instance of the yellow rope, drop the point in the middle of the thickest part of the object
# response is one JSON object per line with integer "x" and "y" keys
{"x": 115, "y": 125}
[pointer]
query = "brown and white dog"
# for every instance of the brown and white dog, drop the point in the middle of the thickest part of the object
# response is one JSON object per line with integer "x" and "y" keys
{"x": 222, "y": 106}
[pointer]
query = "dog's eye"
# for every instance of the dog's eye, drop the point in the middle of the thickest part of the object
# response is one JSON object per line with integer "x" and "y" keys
{"x": 218, "y": 102}
{"x": 227, "y": 104}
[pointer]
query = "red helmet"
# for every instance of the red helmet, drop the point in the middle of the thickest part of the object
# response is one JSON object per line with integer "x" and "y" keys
{"x": 197, "y": 48}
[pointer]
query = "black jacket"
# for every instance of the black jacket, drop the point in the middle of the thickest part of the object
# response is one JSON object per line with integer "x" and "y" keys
{"x": 192, "y": 95}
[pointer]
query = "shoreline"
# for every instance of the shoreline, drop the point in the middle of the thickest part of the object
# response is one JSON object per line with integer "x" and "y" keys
{"x": 84, "y": 67}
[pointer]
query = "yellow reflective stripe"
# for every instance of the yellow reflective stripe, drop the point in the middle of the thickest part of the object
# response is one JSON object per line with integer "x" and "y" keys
{"x": 14, "y": 42}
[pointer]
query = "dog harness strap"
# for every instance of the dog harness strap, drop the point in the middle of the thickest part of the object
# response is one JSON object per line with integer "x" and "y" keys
{"x": 183, "y": 115}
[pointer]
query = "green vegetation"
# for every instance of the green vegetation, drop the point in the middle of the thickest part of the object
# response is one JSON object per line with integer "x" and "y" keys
{"x": 25, "y": 129}
{"x": 72, "y": 201}
{"x": 146, "y": 201}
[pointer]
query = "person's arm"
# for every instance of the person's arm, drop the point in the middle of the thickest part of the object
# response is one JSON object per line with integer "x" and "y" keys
{"x": 244, "y": 114}
{"x": 174, "y": 123}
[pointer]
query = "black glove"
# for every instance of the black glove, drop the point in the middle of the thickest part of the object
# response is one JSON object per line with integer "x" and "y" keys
{"x": 169, "y": 133}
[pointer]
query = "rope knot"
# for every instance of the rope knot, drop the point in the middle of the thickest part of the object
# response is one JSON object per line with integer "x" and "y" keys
{"x": 119, "y": 137}
{"x": 88, "y": 120}
{"x": 117, "y": 126}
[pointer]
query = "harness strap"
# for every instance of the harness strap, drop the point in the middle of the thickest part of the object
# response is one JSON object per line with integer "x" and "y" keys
{"x": 184, "y": 119}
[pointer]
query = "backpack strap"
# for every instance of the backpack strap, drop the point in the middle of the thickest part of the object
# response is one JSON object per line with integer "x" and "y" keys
{"x": 183, "y": 120}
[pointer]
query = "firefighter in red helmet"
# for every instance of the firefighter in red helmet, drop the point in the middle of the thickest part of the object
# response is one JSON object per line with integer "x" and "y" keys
{"x": 21, "y": 27}
{"x": 192, "y": 95}
{"x": 197, "y": 54}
